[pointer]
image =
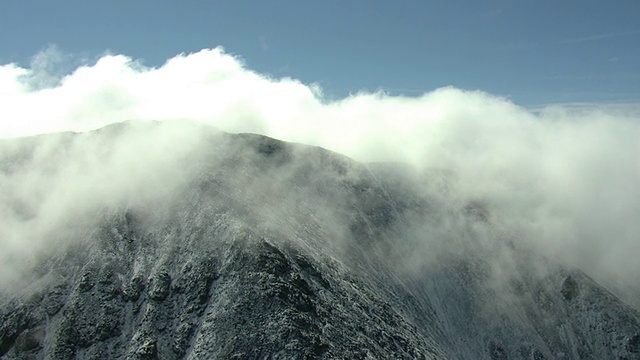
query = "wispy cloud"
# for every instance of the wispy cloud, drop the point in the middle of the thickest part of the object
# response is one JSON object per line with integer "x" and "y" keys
{"x": 599, "y": 37}
{"x": 492, "y": 14}
{"x": 263, "y": 43}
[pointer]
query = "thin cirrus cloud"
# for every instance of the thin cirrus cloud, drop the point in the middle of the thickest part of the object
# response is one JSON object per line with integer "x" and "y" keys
{"x": 564, "y": 176}
{"x": 599, "y": 37}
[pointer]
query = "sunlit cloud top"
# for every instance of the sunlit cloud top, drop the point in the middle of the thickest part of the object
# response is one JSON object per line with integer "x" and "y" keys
{"x": 568, "y": 174}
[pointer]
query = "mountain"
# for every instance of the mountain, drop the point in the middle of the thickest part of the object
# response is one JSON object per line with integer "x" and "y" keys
{"x": 173, "y": 240}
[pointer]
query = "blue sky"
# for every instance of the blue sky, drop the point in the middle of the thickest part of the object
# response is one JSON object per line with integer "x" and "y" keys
{"x": 533, "y": 52}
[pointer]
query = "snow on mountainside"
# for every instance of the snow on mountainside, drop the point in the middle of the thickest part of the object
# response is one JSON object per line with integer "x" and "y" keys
{"x": 198, "y": 244}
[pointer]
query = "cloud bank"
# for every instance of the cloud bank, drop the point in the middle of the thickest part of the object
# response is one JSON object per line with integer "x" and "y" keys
{"x": 563, "y": 177}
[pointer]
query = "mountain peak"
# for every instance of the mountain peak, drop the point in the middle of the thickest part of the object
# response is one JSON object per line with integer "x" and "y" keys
{"x": 242, "y": 246}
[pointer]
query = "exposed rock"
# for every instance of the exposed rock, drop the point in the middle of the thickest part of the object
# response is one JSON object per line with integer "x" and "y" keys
{"x": 87, "y": 281}
{"x": 570, "y": 288}
{"x": 133, "y": 289}
{"x": 537, "y": 355}
{"x": 633, "y": 345}
{"x": 147, "y": 350}
{"x": 160, "y": 286}
{"x": 30, "y": 340}
{"x": 497, "y": 351}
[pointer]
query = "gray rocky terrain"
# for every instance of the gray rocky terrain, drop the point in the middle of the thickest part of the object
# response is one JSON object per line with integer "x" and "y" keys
{"x": 270, "y": 250}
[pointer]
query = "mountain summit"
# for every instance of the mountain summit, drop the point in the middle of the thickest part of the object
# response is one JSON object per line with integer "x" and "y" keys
{"x": 173, "y": 240}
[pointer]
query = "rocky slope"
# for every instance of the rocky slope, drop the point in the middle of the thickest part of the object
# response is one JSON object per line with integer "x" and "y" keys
{"x": 273, "y": 250}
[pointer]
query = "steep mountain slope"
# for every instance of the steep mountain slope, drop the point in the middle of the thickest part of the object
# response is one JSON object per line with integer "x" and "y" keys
{"x": 262, "y": 249}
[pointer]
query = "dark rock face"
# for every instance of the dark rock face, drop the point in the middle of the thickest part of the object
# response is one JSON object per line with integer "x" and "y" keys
{"x": 633, "y": 345}
{"x": 497, "y": 351}
{"x": 570, "y": 289}
{"x": 303, "y": 266}
{"x": 160, "y": 284}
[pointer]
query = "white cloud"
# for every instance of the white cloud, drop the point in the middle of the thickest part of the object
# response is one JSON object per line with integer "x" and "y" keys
{"x": 564, "y": 176}
{"x": 599, "y": 37}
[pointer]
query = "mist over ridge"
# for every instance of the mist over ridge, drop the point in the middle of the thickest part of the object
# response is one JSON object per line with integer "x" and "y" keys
{"x": 240, "y": 244}
{"x": 562, "y": 178}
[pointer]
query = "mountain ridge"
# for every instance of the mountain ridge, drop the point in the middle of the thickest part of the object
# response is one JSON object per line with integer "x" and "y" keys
{"x": 265, "y": 249}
